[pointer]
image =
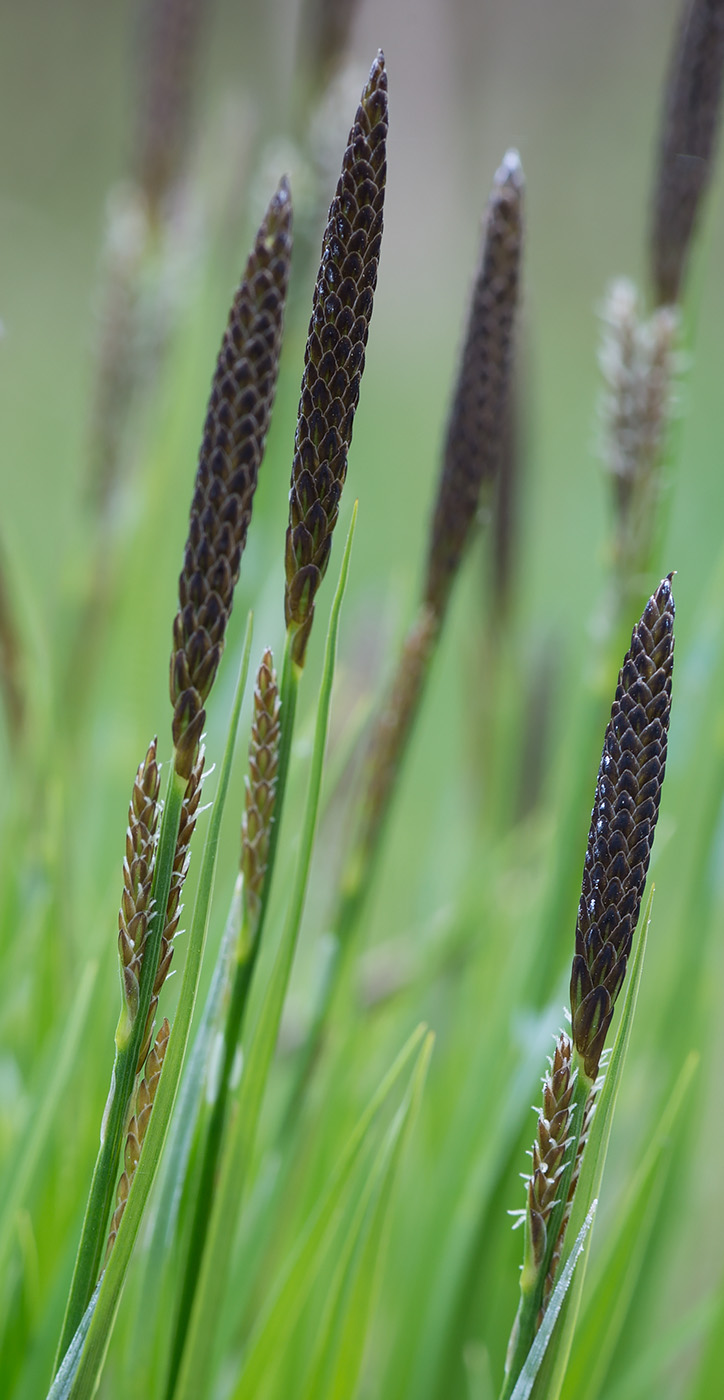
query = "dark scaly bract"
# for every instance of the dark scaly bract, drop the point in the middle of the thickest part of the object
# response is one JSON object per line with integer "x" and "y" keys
{"x": 242, "y": 396}
{"x": 622, "y": 829}
{"x": 688, "y": 140}
{"x": 335, "y": 356}
{"x": 476, "y": 426}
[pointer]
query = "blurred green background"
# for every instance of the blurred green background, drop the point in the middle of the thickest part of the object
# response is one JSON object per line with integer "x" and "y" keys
{"x": 577, "y": 88}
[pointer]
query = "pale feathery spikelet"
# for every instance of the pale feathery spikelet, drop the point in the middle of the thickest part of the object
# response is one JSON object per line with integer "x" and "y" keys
{"x": 476, "y": 423}
{"x": 138, "y": 1126}
{"x": 135, "y": 910}
{"x": 335, "y": 356}
{"x": 687, "y": 143}
{"x": 623, "y": 824}
{"x": 242, "y": 395}
{"x": 639, "y": 363}
{"x": 261, "y": 787}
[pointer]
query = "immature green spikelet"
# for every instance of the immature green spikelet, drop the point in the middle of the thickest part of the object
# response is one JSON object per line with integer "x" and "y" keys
{"x": 638, "y": 360}
{"x": 179, "y": 871}
{"x": 137, "y": 1128}
{"x": 687, "y": 143}
{"x": 334, "y": 357}
{"x": 549, "y": 1158}
{"x": 242, "y": 395}
{"x": 135, "y": 910}
{"x": 476, "y": 424}
{"x": 261, "y": 786}
{"x": 623, "y": 823}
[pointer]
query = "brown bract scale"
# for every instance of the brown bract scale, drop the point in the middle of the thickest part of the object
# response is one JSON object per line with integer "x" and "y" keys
{"x": 134, "y": 913}
{"x": 182, "y": 857}
{"x": 477, "y": 421}
{"x": 688, "y": 139}
{"x": 138, "y": 1126}
{"x": 623, "y": 823}
{"x": 242, "y": 395}
{"x": 334, "y": 357}
{"x": 549, "y": 1155}
{"x": 261, "y": 785}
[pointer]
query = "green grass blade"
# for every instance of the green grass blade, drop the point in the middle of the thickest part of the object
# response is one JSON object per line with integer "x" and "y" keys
{"x": 287, "y": 1300}
{"x": 103, "y": 1319}
{"x": 528, "y": 1382}
{"x": 62, "y": 1385}
{"x": 193, "y": 1376}
{"x": 28, "y": 1156}
{"x": 552, "y": 1363}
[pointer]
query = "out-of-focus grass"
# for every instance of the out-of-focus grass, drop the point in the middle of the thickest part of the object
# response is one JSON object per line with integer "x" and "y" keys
{"x": 452, "y": 924}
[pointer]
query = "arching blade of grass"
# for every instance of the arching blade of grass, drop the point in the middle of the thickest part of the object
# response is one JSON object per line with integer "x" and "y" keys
{"x": 551, "y": 1362}
{"x": 287, "y": 1300}
{"x": 29, "y": 1153}
{"x": 193, "y": 1375}
{"x": 357, "y": 1287}
{"x": 99, "y": 1332}
{"x": 606, "y": 1311}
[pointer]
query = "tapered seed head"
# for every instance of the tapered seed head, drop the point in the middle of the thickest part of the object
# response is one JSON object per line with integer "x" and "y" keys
{"x": 334, "y": 357}
{"x": 548, "y": 1159}
{"x": 169, "y": 45}
{"x": 261, "y": 786}
{"x": 687, "y": 142}
{"x": 623, "y": 823}
{"x": 476, "y": 425}
{"x": 242, "y": 395}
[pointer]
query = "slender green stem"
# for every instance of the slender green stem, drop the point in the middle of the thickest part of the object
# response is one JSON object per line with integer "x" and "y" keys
{"x": 526, "y": 1322}
{"x": 247, "y": 946}
{"x": 129, "y": 1043}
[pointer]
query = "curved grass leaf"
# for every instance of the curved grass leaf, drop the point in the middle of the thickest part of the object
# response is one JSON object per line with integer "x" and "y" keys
{"x": 96, "y": 1344}
{"x": 198, "y": 1356}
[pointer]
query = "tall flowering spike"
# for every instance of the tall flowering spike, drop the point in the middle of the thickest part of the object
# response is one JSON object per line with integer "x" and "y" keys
{"x": 145, "y": 1095}
{"x": 638, "y": 360}
{"x": 687, "y": 143}
{"x": 242, "y": 395}
{"x": 335, "y": 356}
{"x": 549, "y": 1159}
{"x": 623, "y": 823}
{"x": 261, "y": 786}
{"x": 187, "y": 826}
{"x": 476, "y": 426}
{"x": 138, "y": 864}
{"x": 170, "y": 42}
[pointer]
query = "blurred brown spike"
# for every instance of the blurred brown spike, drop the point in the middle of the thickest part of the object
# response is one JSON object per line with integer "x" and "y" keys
{"x": 324, "y": 34}
{"x": 335, "y": 356}
{"x": 623, "y": 823}
{"x": 170, "y": 42}
{"x": 242, "y": 395}
{"x": 687, "y": 142}
{"x": 261, "y": 786}
{"x": 476, "y": 424}
{"x": 138, "y": 1126}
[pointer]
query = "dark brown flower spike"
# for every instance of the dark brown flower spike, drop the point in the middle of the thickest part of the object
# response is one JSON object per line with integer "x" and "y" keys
{"x": 242, "y": 395}
{"x": 476, "y": 425}
{"x": 335, "y": 356}
{"x": 623, "y": 823}
{"x": 261, "y": 786}
{"x": 687, "y": 143}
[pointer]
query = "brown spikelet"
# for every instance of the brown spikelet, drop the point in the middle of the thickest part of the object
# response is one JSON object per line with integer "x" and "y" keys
{"x": 558, "y": 1247}
{"x": 549, "y": 1157}
{"x": 638, "y": 361}
{"x": 261, "y": 785}
{"x": 623, "y": 823}
{"x": 187, "y": 826}
{"x": 477, "y": 416}
{"x": 138, "y": 1127}
{"x": 170, "y": 43}
{"x": 334, "y": 357}
{"x": 687, "y": 143}
{"x": 242, "y": 395}
{"x": 133, "y": 916}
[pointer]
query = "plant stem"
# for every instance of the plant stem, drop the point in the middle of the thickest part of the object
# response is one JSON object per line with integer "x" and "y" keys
{"x": 128, "y": 1048}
